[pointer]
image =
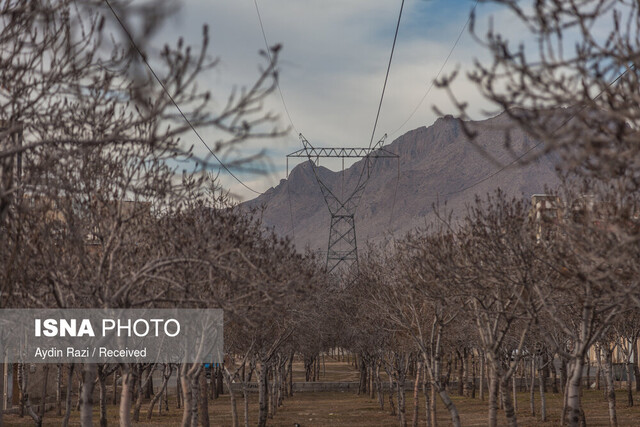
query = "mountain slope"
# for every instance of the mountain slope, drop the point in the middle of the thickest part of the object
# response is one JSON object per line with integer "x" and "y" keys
{"x": 437, "y": 163}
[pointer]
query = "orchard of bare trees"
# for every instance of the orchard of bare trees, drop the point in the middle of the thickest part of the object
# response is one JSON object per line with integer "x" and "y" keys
{"x": 507, "y": 291}
{"x": 96, "y": 212}
{"x": 488, "y": 304}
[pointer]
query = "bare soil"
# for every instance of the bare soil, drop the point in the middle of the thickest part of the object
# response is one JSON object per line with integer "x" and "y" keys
{"x": 349, "y": 409}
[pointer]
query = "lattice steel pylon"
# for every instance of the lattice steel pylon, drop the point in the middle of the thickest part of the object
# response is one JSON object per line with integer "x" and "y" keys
{"x": 342, "y": 250}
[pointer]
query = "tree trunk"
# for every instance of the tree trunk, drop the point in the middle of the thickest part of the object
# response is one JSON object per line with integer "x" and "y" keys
{"x": 634, "y": 364}
{"x": 629, "y": 385}
{"x": 546, "y": 367}
{"x": 371, "y": 377}
{"x": 482, "y": 376}
{"x": 245, "y": 396}
{"x": 493, "y": 399}
{"x": 362, "y": 388}
{"x": 554, "y": 373}
{"x": 86, "y": 398}
{"x": 126, "y": 396}
{"x": 461, "y": 357}
{"x": 203, "y": 406}
{"x": 432, "y": 403}
{"x": 59, "y": 389}
{"x": 448, "y": 404}
{"x": 67, "y": 413}
{"x": 532, "y": 388}
{"x": 514, "y": 391}
{"x": 166, "y": 374}
{"x": 564, "y": 377}
{"x": 636, "y": 372}
{"x": 426, "y": 389}
{"x": 465, "y": 367}
{"x": 263, "y": 391}
{"x": 402, "y": 407}
{"x": 143, "y": 387}
{"x": 474, "y": 366}
{"x": 379, "y": 388}
{"x": 598, "y": 366}
{"x": 438, "y": 388}
{"x": 139, "y": 391}
{"x": 246, "y": 379}
{"x": 179, "y": 386}
{"x": 79, "y": 377}
{"x": 25, "y": 401}
{"x": 565, "y": 399}
{"x": 543, "y": 389}
{"x": 148, "y": 390}
{"x": 3, "y": 370}
{"x": 232, "y": 397}
{"x": 187, "y": 395}
{"x": 573, "y": 392}
{"x": 214, "y": 382}
{"x": 308, "y": 362}
{"x": 22, "y": 386}
{"x": 219, "y": 381}
{"x": 290, "y": 376}
{"x": 114, "y": 400}
{"x": 611, "y": 392}
{"x": 194, "y": 388}
{"x": 509, "y": 410}
{"x": 166, "y": 399}
{"x": 43, "y": 399}
{"x": 102, "y": 383}
{"x": 392, "y": 406}
{"x": 416, "y": 389}
{"x": 273, "y": 385}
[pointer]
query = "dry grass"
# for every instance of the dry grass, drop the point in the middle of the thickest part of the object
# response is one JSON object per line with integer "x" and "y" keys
{"x": 348, "y": 409}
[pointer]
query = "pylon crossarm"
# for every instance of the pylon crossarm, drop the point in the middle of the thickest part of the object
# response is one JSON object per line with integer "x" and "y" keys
{"x": 380, "y": 143}
{"x": 342, "y": 247}
{"x": 342, "y": 152}
{"x": 347, "y": 152}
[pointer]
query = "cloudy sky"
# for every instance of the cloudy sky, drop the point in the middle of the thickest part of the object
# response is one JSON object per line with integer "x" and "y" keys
{"x": 332, "y": 66}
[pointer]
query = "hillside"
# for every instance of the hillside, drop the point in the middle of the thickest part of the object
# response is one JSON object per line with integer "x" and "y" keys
{"x": 434, "y": 161}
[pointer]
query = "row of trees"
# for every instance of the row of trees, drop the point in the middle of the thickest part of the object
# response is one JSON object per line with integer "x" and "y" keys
{"x": 531, "y": 289}
{"x": 95, "y": 213}
{"x": 489, "y": 287}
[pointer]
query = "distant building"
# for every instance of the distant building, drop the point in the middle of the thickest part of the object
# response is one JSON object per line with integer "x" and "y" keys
{"x": 545, "y": 214}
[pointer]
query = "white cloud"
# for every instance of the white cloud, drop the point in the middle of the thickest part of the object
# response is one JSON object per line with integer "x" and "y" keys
{"x": 333, "y": 61}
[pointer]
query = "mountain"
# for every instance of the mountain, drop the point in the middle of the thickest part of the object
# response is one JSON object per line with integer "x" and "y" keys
{"x": 436, "y": 164}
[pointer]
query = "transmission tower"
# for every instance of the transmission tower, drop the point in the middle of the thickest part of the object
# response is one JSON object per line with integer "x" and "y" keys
{"x": 342, "y": 251}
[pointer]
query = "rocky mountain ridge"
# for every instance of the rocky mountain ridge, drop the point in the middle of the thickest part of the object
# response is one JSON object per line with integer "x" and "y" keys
{"x": 437, "y": 164}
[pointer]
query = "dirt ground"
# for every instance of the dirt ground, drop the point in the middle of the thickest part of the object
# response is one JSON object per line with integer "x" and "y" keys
{"x": 349, "y": 409}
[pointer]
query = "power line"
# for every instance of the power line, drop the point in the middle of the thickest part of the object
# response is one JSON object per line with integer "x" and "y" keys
{"x": 268, "y": 50}
{"x": 293, "y": 226}
{"x": 284, "y": 104}
{"x": 384, "y": 87}
{"x": 517, "y": 159}
{"x": 386, "y": 77}
{"x": 144, "y": 59}
{"x": 455, "y": 44}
